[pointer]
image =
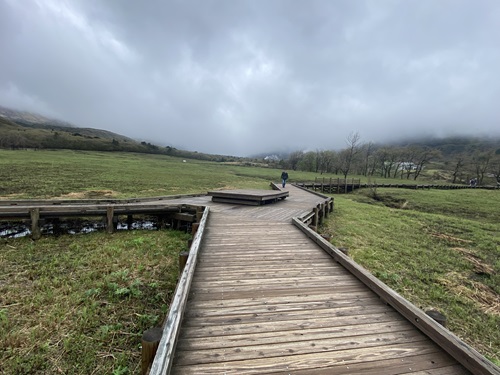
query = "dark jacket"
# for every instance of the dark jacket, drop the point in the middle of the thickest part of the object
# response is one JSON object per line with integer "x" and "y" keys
{"x": 284, "y": 176}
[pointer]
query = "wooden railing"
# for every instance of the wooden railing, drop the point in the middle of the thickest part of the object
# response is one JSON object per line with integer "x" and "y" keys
{"x": 453, "y": 345}
{"x": 163, "y": 359}
{"x": 340, "y": 185}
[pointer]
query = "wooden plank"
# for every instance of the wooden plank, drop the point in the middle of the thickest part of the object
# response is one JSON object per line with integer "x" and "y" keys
{"x": 237, "y": 201}
{"x": 255, "y": 284}
{"x": 308, "y": 362}
{"x": 306, "y": 335}
{"x": 278, "y": 318}
{"x": 269, "y": 293}
{"x": 257, "y": 289}
{"x": 237, "y": 273}
{"x": 286, "y": 302}
{"x": 328, "y": 346}
{"x": 429, "y": 364}
{"x": 249, "y": 194}
{"x": 237, "y": 328}
{"x": 274, "y": 307}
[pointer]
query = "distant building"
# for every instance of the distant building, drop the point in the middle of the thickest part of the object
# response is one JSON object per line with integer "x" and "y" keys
{"x": 272, "y": 158}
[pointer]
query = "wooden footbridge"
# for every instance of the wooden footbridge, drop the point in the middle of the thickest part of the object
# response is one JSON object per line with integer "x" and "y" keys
{"x": 342, "y": 186}
{"x": 263, "y": 293}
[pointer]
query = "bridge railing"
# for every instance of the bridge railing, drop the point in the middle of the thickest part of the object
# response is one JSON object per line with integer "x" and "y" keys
{"x": 164, "y": 355}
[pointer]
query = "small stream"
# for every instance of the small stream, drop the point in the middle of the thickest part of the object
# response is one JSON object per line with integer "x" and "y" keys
{"x": 21, "y": 229}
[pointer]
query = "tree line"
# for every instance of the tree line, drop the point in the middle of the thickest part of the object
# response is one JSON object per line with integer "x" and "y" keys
{"x": 403, "y": 162}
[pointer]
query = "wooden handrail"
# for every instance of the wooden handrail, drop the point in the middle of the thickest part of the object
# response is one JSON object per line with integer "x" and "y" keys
{"x": 453, "y": 345}
{"x": 164, "y": 355}
{"x": 55, "y": 202}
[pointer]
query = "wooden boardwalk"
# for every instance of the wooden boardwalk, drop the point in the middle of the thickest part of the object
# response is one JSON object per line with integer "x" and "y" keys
{"x": 265, "y": 299}
{"x": 262, "y": 293}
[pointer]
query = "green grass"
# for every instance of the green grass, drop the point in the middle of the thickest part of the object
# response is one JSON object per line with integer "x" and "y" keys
{"x": 440, "y": 249}
{"x": 66, "y": 174}
{"x": 87, "y": 174}
{"x": 79, "y": 304}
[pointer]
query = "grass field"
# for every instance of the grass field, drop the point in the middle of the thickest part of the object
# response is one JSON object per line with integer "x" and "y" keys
{"x": 439, "y": 249}
{"x": 79, "y": 304}
{"x": 64, "y": 173}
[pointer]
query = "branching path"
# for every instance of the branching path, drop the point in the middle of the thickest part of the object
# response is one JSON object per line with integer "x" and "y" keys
{"x": 265, "y": 298}
{"x": 262, "y": 293}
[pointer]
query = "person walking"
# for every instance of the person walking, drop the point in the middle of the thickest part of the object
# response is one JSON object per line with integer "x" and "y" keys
{"x": 284, "y": 177}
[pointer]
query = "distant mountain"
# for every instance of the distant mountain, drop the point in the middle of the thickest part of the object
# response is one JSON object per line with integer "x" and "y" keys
{"x": 36, "y": 121}
{"x": 30, "y": 118}
{"x": 20, "y": 129}
{"x": 454, "y": 145}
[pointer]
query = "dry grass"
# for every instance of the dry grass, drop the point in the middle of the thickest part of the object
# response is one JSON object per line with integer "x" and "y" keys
{"x": 477, "y": 292}
{"x": 90, "y": 194}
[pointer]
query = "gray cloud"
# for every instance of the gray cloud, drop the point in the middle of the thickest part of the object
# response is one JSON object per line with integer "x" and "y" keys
{"x": 241, "y": 77}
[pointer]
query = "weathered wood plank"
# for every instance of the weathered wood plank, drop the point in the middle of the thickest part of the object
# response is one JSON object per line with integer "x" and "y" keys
{"x": 329, "y": 346}
{"x": 281, "y": 316}
{"x": 311, "y": 361}
{"x": 288, "y": 325}
{"x": 296, "y": 335}
{"x": 270, "y": 293}
{"x": 330, "y": 299}
{"x": 309, "y": 306}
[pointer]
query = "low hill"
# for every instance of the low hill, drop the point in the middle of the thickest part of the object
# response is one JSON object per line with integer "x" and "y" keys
{"x": 19, "y": 129}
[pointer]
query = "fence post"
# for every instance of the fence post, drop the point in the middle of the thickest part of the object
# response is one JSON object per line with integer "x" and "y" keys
{"x": 35, "y": 227}
{"x": 110, "y": 210}
{"x": 183, "y": 257}
{"x": 150, "y": 341}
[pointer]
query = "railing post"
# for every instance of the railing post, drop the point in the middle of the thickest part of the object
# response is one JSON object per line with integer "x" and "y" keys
{"x": 35, "y": 227}
{"x": 150, "y": 340}
{"x": 183, "y": 257}
{"x": 110, "y": 211}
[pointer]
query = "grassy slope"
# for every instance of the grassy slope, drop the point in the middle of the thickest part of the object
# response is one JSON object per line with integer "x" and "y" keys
{"x": 441, "y": 251}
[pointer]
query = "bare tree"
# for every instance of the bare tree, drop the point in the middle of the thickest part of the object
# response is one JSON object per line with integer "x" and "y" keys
{"x": 320, "y": 163}
{"x": 495, "y": 166}
{"x": 422, "y": 157}
{"x": 348, "y": 155}
{"x": 328, "y": 159}
{"x": 459, "y": 164}
{"x": 308, "y": 162}
{"x": 367, "y": 149}
{"x": 386, "y": 159}
{"x": 481, "y": 163}
{"x": 294, "y": 159}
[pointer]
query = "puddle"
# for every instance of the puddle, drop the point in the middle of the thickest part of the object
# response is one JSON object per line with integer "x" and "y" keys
{"x": 17, "y": 229}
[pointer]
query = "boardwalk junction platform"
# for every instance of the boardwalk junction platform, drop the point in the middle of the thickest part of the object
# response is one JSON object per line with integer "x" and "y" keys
{"x": 249, "y": 197}
{"x": 263, "y": 293}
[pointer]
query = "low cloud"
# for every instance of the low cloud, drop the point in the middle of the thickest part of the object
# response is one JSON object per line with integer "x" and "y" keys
{"x": 247, "y": 77}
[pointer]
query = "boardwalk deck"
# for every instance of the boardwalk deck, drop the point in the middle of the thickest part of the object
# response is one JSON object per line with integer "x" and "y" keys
{"x": 266, "y": 299}
{"x": 252, "y": 197}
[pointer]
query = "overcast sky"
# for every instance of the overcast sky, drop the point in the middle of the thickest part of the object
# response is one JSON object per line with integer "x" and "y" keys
{"x": 250, "y": 76}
